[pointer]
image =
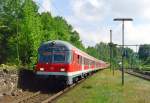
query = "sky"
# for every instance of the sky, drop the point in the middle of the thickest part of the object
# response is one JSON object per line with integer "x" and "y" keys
{"x": 93, "y": 19}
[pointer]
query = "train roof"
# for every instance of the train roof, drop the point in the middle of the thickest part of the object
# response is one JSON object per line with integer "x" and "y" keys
{"x": 59, "y": 43}
{"x": 69, "y": 46}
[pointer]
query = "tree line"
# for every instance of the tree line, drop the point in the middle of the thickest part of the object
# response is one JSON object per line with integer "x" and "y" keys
{"x": 23, "y": 29}
{"x": 133, "y": 59}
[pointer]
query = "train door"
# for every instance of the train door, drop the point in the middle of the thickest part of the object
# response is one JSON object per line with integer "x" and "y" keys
{"x": 82, "y": 64}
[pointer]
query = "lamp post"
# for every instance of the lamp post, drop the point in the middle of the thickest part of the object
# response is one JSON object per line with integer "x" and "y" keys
{"x": 111, "y": 52}
{"x": 123, "y": 20}
{"x": 110, "y": 44}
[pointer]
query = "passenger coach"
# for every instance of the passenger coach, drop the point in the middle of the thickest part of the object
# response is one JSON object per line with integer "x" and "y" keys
{"x": 62, "y": 60}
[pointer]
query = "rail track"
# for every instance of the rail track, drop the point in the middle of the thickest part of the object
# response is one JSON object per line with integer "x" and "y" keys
{"x": 39, "y": 97}
{"x": 53, "y": 97}
{"x": 137, "y": 74}
{"x": 32, "y": 98}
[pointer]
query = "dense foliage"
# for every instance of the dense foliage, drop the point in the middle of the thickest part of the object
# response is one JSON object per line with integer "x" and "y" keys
{"x": 103, "y": 50}
{"x": 140, "y": 60}
{"x": 144, "y": 55}
{"x": 144, "y": 52}
{"x": 23, "y": 29}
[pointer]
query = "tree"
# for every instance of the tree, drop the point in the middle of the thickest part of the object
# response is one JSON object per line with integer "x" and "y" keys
{"x": 144, "y": 51}
{"x": 75, "y": 39}
{"x": 9, "y": 14}
{"x": 23, "y": 29}
{"x": 30, "y": 35}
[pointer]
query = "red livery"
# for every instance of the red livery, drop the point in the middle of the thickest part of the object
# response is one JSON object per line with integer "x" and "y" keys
{"x": 61, "y": 59}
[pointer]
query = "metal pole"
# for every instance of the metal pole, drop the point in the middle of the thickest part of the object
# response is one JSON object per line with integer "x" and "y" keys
{"x": 137, "y": 55}
{"x": 110, "y": 49}
{"x": 111, "y": 52}
{"x": 123, "y": 19}
{"x": 122, "y": 52}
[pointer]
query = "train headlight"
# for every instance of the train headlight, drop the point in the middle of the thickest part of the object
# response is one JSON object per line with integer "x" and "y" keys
{"x": 41, "y": 69}
{"x": 62, "y": 69}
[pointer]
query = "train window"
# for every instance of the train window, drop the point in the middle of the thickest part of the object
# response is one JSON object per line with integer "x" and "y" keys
{"x": 85, "y": 61}
{"x": 78, "y": 59}
{"x": 68, "y": 57}
{"x": 54, "y": 54}
{"x": 92, "y": 62}
{"x": 59, "y": 58}
{"x": 72, "y": 57}
{"x": 75, "y": 58}
{"x": 88, "y": 62}
{"x": 43, "y": 58}
{"x": 82, "y": 60}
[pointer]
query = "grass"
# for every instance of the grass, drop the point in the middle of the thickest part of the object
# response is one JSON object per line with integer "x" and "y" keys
{"x": 103, "y": 87}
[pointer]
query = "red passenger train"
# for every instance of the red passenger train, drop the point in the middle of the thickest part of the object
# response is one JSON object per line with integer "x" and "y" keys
{"x": 62, "y": 60}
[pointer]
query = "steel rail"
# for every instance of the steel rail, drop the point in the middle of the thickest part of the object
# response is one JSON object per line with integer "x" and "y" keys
{"x": 140, "y": 75}
{"x": 55, "y": 96}
{"x": 26, "y": 98}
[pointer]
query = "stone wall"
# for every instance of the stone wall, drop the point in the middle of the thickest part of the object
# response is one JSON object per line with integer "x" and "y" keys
{"x": 8, "y": 81}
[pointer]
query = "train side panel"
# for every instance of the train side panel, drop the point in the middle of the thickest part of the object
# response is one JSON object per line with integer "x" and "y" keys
{"x": 79, "y": 65}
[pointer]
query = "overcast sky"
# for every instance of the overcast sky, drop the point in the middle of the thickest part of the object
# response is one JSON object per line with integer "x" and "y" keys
{"x": 94, "y": 18}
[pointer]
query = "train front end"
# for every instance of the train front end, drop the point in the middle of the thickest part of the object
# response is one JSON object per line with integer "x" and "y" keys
{"x": 54, "y": 59}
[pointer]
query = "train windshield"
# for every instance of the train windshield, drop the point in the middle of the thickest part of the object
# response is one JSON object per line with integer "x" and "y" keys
{"x": 59, "y": 57}
{"x": 54, "y": 55}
